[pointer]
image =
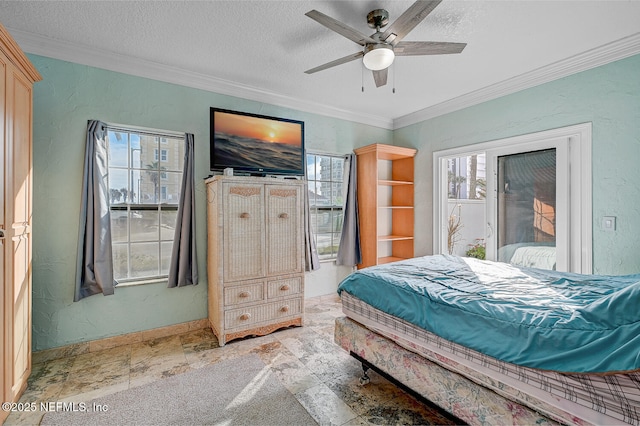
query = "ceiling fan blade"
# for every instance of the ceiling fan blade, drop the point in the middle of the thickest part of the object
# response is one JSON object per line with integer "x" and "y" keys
{"x": 415, "y": 48}
{"x": 340, "y": 61}
{"x": 408, "y": 20}
{"x": 340, "y": 28}
{"x": 380, "y": 77}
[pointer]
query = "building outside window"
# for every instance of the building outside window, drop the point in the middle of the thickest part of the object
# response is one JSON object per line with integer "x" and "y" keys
{"x": 143, "y": 212}
{"x": 325, "y": 186}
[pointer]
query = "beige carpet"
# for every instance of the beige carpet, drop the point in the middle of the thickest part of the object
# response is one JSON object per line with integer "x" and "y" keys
{"x": 242, "y": 391}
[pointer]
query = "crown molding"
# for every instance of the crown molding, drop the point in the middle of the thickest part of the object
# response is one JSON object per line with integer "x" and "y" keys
{"x": 602, "y": 55}
{"x": 84, "y": 55}
{"x": 17, "y": 56}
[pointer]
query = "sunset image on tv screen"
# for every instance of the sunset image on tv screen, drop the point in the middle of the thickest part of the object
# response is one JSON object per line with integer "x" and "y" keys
{"x": 255, "y": 142}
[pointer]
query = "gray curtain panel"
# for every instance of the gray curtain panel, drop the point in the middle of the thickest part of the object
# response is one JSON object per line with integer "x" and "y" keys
{"x": 312, "y": 262}
{"x": 349, "y": 252}
{"x": 94, "y": 268}
{"x": 183, "y": 269}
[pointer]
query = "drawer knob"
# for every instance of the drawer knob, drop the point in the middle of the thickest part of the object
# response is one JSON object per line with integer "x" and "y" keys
{"x": 285, "y": 287}
{"x": 244, "y": 215}
{"x": 245, "y": 316}
{"x": 285, "y": 308}
{"x": 245, "y": 294}
{"x": 284, "y": 216}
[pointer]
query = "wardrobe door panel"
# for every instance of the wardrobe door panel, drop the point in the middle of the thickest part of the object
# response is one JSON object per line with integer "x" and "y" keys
{"x": 284, "y": 239}
{"x": 17, "y": 76}
{"x": 243, "y": 231}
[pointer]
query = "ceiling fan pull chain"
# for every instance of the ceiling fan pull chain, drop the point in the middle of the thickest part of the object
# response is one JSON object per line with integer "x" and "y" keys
{"x": 393, "y": 90}
{"x": 362, "y": 77}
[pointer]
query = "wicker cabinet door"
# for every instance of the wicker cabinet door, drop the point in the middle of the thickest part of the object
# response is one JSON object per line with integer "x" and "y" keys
{"x": 284, "y": 237}
{"x": 244, "y": 231}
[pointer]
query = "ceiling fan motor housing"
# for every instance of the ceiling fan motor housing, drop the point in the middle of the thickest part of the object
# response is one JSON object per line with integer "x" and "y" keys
{"x": 378, "y": 56}
{"x": 378, "y": 18}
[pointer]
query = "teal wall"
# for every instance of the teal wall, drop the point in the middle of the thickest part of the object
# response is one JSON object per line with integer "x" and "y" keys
{"x": 71, "y": 94}
{"x": 68, "y": 96}
{"x": 608, "y": 97}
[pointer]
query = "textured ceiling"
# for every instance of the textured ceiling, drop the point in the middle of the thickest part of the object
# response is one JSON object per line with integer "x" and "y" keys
{"x": 260, "y": 49}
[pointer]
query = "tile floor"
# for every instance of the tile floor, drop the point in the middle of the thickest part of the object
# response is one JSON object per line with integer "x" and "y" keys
{"x": 320, "y": 374}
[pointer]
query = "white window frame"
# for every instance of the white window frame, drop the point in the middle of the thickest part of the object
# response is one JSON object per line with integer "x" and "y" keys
{"x": 161, "y": 205}
{"x": 573, "y": 159}
{"x": 331, "y": 208}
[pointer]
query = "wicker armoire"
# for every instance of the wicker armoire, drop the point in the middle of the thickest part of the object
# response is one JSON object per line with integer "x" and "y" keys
{"x": 255, "y": 255}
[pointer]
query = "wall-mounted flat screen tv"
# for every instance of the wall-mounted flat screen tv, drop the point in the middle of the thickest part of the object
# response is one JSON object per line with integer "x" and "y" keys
{"x": 256, "y": 144}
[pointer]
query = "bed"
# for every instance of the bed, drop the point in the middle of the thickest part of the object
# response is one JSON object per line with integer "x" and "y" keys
{"x": 494, "y": 343}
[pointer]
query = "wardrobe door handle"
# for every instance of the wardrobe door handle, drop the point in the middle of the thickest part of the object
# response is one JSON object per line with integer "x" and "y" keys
{"x": 284, "y": 216}
{"x": 244, "y": 215}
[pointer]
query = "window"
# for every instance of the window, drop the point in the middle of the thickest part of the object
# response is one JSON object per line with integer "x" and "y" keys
{"x": 143, "y": 212}
{"x": 465, "y": 204}
{"x": 325, "y": 177}
{"x": 466, "y": 177}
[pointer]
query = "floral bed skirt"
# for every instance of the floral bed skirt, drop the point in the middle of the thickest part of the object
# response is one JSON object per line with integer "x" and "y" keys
{"x": 458, "y": 395}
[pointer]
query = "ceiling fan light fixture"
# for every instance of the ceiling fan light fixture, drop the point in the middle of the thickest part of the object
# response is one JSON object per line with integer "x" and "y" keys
{"x": 378, "y": 56}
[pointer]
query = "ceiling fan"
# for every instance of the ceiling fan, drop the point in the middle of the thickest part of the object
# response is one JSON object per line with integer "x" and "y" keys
{"x": 380, "y": 49}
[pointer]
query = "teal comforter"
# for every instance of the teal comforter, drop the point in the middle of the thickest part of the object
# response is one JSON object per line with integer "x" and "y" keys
{"x": 532, "y": 317}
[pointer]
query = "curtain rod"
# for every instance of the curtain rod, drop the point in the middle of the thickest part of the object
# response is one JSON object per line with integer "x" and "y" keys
{"x": 144, "y": 130}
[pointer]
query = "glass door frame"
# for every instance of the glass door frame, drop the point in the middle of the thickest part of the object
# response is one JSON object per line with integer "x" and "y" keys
{"x": 574, "y": 160}
{"x": 563, "y": 243}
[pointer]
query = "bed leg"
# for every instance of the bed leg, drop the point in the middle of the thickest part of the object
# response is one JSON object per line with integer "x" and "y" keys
{"x": 364, "y": 380}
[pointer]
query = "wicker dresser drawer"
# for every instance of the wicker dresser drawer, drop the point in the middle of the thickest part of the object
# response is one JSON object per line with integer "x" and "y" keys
{"x": 239, "y": 318}
{"x": 284, "y": 287}
{"x": 240, "y": 294}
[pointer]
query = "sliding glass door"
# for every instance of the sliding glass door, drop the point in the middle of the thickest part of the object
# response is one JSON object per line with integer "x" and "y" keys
{"x": 527, "y": 218}
{"x": 524, "y": 200}
{"x": 526, "y": 208}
